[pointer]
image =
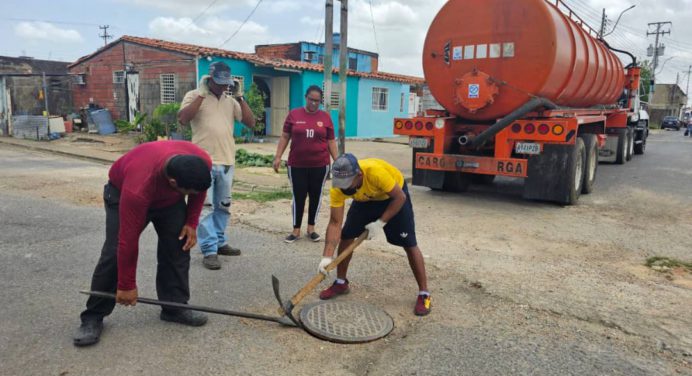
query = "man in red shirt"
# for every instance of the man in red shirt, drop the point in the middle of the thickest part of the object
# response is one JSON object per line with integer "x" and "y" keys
{"x": 149, "y": 184}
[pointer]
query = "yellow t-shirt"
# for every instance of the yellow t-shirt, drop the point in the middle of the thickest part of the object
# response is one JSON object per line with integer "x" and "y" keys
{"x": 212, "y": 127}
{"x": 379, "y": 178}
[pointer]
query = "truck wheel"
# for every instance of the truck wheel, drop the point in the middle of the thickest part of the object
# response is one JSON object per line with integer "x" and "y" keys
{"x": 621, "y": 154}
{"x": 483, "y": 179}
{"x": 640, "y": 148}
{"x": 591, "y": 163}
{"x": 576, "y": 171}
{"x": 456, "y": 181}
{"x": 630, "y": 143}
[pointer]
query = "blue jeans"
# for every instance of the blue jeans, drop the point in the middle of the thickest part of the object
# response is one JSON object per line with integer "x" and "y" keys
{"x": 689, "y": 129}
{"x": 211, "y": 232}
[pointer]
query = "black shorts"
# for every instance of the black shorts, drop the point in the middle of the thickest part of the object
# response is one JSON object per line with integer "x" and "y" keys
{"x": 400, "y": 230}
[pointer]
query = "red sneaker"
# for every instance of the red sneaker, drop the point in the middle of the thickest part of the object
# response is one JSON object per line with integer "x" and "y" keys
{"x": 422, "y": 305}
{"x": 334, "y": 290}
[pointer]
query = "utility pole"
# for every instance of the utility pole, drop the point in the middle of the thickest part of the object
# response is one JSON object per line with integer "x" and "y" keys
{"x": 657, "y": 50}
{"x": 689, "y": 71}
{"x": 105, "y": 35}
{"x": 343, "y": 70}
{"x": 45, "y": 103}
{"x": 328, "y": 51}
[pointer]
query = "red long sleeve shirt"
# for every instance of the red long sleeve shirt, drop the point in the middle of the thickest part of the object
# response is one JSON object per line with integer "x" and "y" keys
{"x": 139, "y": 175}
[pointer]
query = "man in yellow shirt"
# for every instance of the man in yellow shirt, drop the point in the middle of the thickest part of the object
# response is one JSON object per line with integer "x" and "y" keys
{"x": 380, "y": 202}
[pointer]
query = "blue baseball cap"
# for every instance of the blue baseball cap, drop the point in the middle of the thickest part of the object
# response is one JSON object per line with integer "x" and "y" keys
{"x": 220, "y": 73}
{"x": 344, "y": 170}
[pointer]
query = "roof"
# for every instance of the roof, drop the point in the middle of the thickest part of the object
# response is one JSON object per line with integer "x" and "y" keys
{"x": 201, "y": 51}
{"x": 336, "y": 47}
{"x": 25, "y": 65}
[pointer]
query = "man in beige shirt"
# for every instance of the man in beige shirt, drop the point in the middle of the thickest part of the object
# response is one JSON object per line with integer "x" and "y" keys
{"x": 212, "y": 114}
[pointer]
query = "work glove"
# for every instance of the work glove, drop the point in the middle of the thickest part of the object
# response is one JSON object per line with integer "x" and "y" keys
{"x": 323, "y": 264}
{"x": 203, "y": 88}
{"x": 236, "y": 89}
{"x": 374, "y": 228}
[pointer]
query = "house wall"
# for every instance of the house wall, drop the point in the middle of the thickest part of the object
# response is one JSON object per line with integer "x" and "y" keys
{"x": 149, "y": 62}
{"x": 365, "y": 63}
{"x": 374, "y": 123}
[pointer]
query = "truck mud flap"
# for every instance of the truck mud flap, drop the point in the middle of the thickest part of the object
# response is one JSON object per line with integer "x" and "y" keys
{"x": 548, "y": 177}
{"x": 426, "y": 178}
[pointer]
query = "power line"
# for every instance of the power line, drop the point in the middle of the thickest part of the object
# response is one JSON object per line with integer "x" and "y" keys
{"x": 201, "y": 13}
{"x": 374, "y": 31}
{"x": 241, "y": 25}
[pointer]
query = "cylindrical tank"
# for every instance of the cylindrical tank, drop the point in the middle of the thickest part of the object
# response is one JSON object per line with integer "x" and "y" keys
{"x": 484, "y": 58}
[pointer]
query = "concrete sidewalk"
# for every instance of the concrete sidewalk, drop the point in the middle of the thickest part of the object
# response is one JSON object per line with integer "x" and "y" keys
{"x": 107, "y": 149}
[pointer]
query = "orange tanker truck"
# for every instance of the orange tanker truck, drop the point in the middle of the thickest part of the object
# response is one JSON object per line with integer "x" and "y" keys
{"x": 528, "y": 91}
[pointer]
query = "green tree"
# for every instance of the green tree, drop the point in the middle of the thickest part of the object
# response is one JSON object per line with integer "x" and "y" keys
{"x": 255, "y": 100}
{"x": 645, "y": 80}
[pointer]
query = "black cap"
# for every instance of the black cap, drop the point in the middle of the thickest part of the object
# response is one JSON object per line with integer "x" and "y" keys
{"x": 220, "y": 73}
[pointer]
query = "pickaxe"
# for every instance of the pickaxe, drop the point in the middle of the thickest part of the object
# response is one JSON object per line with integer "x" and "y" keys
{"x": 281, "y": 320}
{"x": 287, "y": 307}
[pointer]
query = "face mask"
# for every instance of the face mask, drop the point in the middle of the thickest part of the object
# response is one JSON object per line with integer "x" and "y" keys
{"x": 349, "y": 191}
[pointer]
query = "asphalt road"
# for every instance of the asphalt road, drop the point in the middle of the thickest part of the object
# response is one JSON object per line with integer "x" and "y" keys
{"x": 48, "y": 249}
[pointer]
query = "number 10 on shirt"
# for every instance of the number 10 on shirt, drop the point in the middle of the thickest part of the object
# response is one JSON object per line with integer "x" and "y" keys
{"x": 310, "y": 133}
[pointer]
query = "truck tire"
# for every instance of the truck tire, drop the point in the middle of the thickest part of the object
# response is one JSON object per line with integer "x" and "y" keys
{"x": 621, "y": 150}
{"x": 630, "y": 143}
{"x": 591, "y": 163}
{"x": 640, "y": 148}
{"x": 456, "y": 182}
{"x": 557, "y": 174}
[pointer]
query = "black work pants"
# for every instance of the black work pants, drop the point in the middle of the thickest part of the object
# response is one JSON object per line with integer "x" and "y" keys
{"x": 172, "y": 283}
{"x": 306, "y": 181}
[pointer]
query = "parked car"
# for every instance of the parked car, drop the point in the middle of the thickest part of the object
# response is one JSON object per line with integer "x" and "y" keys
{"x": 670, "y": 122}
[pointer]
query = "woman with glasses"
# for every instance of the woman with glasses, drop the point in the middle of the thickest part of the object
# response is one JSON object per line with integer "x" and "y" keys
{"x": 311, "y": 134}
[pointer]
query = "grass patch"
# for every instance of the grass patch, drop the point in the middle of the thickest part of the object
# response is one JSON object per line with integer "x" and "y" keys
{"x": 263, "y": 196}
{"x": 660, "y": 263}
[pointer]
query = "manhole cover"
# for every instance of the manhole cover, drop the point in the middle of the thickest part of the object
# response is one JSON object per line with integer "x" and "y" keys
{"x": 346, "y": 322}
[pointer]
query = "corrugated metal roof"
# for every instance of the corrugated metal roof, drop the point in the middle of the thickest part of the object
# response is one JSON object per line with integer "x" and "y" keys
{"x": 201, "y": 51}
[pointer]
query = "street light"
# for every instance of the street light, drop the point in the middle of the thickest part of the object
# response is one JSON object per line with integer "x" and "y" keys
{"x": 618, "y": 21}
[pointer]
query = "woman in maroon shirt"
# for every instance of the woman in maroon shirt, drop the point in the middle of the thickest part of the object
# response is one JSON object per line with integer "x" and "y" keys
{"x": 311, "y": 134}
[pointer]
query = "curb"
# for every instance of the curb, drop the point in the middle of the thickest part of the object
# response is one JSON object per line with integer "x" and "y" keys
{"x": 58, "y": 152}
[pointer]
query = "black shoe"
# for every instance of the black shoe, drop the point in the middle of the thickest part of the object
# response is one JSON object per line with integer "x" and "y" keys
{"x": 211, "y": 262}
{"x": 88, "y": 333}
{"x": 291, "y": 238}
{"x": 185, "y": 317}
{"x": 315, "y": 237}
{"x": 227, "y": 250}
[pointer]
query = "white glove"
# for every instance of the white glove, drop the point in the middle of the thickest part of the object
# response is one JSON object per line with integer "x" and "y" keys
{"x": 374, "y": 228}
{"x": 323, "y": 264}
{"x": 203, "y": 88}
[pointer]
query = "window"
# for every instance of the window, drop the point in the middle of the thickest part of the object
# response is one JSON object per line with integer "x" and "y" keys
{"x": 118, "y": 77}
{"x": 352, "y": 63}
{"x": 336, "y": 94}
{"x": 379, "y": 99}
{"x": 168, "y": 88}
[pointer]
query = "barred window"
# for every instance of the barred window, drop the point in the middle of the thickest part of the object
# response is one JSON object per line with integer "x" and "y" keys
{"x": 118, "y": 77}
{"x": 380, "y": 99}
{"x": 336, "y": 94}
{"x": 168, "y": 87}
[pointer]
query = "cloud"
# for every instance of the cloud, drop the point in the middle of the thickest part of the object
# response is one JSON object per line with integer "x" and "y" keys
{"x": 211, "y": 32}
{"x": 44, "y": 31}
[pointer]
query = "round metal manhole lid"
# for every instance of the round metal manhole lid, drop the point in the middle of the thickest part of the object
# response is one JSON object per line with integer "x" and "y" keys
{"x": 346, "y": 322}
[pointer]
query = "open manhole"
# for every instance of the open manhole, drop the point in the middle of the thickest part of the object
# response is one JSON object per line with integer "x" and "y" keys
{"x": 346, "y": 322}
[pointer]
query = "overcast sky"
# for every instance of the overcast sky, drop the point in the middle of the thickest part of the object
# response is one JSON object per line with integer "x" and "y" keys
{"x": 67, "y": 29}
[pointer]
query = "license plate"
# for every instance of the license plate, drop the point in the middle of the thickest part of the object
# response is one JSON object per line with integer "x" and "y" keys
{"x": 527, "y": 148}
{"x": 419, "y": 143}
